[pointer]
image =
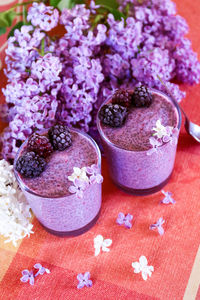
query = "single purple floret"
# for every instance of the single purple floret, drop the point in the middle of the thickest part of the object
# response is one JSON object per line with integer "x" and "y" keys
{"x": 171, "y": 136}
{"x": 95, "y": 177}
{"x": 84, "y": 280}
{"x": 27, "y": 276}
{"x": 168, "y": 199}
{"x": 41, "y": 269}
{"x": 158, "y": 226}
{"x": 124, "y": 220}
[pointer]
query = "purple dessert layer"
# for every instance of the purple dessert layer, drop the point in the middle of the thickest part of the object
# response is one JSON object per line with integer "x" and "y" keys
{"x": 135, "y": 133}
{"x": 53, "y": 182}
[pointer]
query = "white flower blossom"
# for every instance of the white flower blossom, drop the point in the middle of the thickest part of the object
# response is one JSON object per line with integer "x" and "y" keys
{"x": 142, "y": 267}
{"x": 101, "y": 243}
{"x": 155, "y": 146}
{"x": 160, "y": 130}
{"x": 79, "y": 173}
{"x": 14, "y": 211}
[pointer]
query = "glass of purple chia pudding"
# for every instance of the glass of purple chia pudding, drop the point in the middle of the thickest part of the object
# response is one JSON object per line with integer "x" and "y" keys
{"x": 61, "y": 204}
{"x": 139, "y": 161}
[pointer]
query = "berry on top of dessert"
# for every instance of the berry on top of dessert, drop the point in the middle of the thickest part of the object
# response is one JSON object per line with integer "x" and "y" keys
{"x": 142, "y": 97}
{"x": 60, "y": 137}
{"x": 30, "y": 165}
{"x": 122, "y": 97}
{"x": 32, "y": 162}
{"x": 40, "y": 144}
{"x": 114, "y": 114}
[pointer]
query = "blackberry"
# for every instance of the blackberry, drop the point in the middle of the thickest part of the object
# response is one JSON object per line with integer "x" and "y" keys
{"x": 113, "y": 115}
{"x": 122, "y": 97}
{"x": 30, "y": 165}
{"x": 142, "y": 97}
{"x": 40, "y": 144}
{"x": 60, "y": 137}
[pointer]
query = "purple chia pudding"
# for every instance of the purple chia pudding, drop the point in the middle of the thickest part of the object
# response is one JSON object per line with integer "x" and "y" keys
{"x": 126, "y": 147}
{"x": 56, "y": 208}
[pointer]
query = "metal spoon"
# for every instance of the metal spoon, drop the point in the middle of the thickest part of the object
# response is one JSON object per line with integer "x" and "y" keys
{"x": 191, "y": 128}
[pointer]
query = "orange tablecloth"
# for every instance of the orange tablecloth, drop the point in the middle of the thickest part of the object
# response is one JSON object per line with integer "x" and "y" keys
{"x": 175, "y": 255}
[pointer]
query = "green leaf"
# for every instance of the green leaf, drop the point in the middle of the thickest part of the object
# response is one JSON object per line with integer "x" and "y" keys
{"x": 109, "y": 3}
{"x": 69, "y": 3}
{"x": 98, "y": 18}
{"x": 127, "y": 8}
{"x": 6, "y": 18}
{"x": 2, "y": 30}
{"x": 17, "y": 26}
{"x": 116, "y": 13}
{"x": 65, "y": 4}
{"x": 54, "y": 3}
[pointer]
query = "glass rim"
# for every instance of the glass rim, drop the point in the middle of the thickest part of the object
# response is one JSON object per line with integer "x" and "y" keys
{"x": 25, "y": 188}
{"x": 104, "y": 137}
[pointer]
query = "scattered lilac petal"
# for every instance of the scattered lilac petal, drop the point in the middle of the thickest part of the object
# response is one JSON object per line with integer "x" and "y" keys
{"x": 27, "y": 276}
{"x": 41, "y": 269}
{"x": 158, "y": 226}
{"x": 142, "y": 266}
{"x": 124, "y": 220}
{"x": 168, "y": 199}
{"x": 84, "y": 280}
{"x": 101, "y": 243}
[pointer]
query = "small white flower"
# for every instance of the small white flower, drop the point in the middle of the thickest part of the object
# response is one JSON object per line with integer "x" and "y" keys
{"x": 79, "y": 173}
{"x": 142, "y": 267}
{"x": 14, "y": 210}
{"x": 160, "y": 130}
{"x": 155, "y": 146}
{"x": 100, "y": 242}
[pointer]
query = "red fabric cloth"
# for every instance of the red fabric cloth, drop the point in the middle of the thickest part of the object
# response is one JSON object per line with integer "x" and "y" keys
{"x": 172, "y": 255}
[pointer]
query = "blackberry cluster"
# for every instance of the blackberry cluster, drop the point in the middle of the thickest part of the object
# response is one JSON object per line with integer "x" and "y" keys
{"x": 30, "y": 165}
{"x": 113, "y": 115}
{"x": 142, "y": 97}
{"x": 60, "y": 137}
{"x": 122, "y": 97}
{"x": 40, "y": 144}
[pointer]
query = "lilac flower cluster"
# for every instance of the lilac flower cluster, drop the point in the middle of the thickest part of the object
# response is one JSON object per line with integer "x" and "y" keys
{"x": 43, "y": 16}
{"x": 67, "y": 79}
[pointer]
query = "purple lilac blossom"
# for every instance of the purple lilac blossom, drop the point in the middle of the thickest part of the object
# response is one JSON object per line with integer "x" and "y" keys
{"x": 27, "y": 276}
{"x": 43, "y": 16}
{"x": 171, "y": 136}
{"x": 41, "y": 269}
{"x": 84, "y": 280}
{"x": 85, "y": 66}
{"x": 124, "y": 220}
{"x": 168, "y": 198}
{"x": 95, "y": 176}
{"x": 158, "y": 226}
